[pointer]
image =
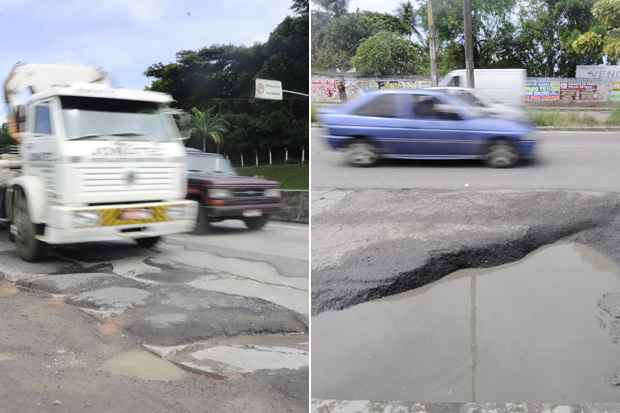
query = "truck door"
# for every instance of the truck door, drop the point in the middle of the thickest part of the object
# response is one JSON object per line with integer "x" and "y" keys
{"x": 40, "y": 149}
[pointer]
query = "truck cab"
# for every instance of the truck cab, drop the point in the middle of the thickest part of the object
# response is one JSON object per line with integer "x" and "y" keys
{"x": 97, "y": 163}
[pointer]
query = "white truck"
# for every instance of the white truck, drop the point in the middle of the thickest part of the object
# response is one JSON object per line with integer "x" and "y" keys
{"x": 506, "y": 86}
{"x": 95, "y": 163}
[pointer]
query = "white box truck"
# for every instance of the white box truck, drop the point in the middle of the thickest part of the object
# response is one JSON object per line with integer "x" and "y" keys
{"x": 95, "y": 163}
{"x": 507, "y": 86}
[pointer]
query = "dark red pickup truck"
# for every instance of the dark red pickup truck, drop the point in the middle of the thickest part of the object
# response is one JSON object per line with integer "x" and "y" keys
{"x": 222, "y": 194}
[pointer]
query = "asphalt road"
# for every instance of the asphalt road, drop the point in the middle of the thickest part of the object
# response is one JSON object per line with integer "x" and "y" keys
{"x": 216, "y": 322}
{"x": 567, "y": 160}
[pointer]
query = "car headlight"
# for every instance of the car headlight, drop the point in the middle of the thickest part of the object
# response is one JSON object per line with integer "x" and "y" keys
{"x": 219, "y": 193}
{"x": 177, "y": 212}
{"x": 85, "y": 218}
{"x": 272, "y": 193}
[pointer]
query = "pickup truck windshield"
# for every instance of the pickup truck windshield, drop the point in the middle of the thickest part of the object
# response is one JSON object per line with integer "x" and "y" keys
{"x": 87, "y": 118}
{"x": 209, "y": 164}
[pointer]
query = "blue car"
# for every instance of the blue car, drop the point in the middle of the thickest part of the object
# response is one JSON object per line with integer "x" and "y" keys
{"x": 424, "y": 124}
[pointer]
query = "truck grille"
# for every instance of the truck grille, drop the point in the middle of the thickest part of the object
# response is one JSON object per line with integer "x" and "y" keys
{"x": 248, "y": 192}
{"x": 97, "y": 179}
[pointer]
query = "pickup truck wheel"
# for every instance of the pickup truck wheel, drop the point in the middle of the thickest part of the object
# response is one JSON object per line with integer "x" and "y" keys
{"x": 256, "y": 223}
{"x": 202, "y": 222}
{"x": 148, "y": 242}
{"x": 502, "y": 154}
{"x": 28, "y": 247}
{"x": 361, "y": 153}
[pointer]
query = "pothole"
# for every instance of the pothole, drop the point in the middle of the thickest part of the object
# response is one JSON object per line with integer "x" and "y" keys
{"x": 528, "y": 331}
{"x": 143, "y": 365}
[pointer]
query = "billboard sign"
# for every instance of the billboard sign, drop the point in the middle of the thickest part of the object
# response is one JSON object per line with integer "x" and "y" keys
{"x": 598, "y": 72}
{"x": 268, "y": 89}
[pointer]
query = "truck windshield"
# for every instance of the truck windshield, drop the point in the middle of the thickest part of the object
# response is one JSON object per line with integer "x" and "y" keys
{"x": 107, "y": 119}
{"x": 209, "y": 164}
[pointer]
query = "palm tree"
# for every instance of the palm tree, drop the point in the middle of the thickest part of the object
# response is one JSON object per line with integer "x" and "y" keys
{"x": 208, "y": 124}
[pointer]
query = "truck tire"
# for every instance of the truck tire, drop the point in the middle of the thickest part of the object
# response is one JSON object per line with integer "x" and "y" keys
{"x": 256, "y": 223}
{"x": 147, "y": 242}
{"x": 202, "y": 222}
{"x": 28, "y": 247}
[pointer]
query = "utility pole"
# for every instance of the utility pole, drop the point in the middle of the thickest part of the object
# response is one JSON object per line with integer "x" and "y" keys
{"x": 432, "y": 42}
{"x": 469, "y": 50}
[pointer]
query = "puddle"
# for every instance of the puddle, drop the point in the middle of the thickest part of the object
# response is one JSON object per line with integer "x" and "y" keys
{"x": 525, "y": 331}
{"x": 143, "y": 365}
{"x": 7, "y": 289}
{"x": 7, "y": 356}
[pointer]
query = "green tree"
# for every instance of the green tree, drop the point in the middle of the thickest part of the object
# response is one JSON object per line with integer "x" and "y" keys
{"x": 386, "y": 53}
{"x": 301, "y": 7}
{"x": 603, "y": 38}
{"x": 208, "y": 124}
{"x": 335, "y": 39}
{"x": 335, "y": 7}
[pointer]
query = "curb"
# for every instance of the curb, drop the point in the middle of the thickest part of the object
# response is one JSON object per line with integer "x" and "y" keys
{"x": 590, "y": 129}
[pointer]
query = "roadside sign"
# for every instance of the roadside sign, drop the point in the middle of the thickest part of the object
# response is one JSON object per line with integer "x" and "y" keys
{"x": 268, "y": 89}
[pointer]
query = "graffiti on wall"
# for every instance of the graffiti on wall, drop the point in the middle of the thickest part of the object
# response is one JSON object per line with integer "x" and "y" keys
{"x": 326, "y": 90}
{"x": 614, "y": 91}
{"x": 537, "y": 90}
{"x": 582, "y": 90}
{"x": 542, "y": 89}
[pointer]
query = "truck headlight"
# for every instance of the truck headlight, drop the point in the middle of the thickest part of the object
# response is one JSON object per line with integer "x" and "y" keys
{"x": 85, "y": 218}
{"x": 219, "y": 193}
{"x": 177, "y": 212}
{"x": 272, "y": 193}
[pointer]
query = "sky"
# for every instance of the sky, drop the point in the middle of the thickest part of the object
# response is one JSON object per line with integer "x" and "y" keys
{"x": 385, "y": 6}
{"x": 124, "y": 37}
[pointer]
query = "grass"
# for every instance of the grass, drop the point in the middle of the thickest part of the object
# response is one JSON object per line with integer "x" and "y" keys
{"x": 572, "y": 119}
{"x": 290, "y": 176}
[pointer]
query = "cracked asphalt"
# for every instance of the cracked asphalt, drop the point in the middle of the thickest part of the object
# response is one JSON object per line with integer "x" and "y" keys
{"x": 214, "y": 322}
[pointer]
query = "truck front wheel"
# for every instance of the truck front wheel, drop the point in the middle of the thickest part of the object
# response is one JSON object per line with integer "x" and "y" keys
{"x": 28, "y": 247}
{"x": 147, "y": 242}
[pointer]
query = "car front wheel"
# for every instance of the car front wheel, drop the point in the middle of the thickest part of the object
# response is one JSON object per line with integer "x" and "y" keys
{"x": 256, "y": 223}
{"x": 361, "y": 153}
{"x": 502, "y": 154}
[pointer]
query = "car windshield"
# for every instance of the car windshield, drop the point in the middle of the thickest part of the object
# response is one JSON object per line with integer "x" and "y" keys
{"x": 89, "y": 118}
{"x": 209, "y": 164}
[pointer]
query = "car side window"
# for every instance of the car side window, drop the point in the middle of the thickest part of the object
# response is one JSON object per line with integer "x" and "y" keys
{"x": 424, "y": 107}
{"x": 429, "y": 108}
{"x": 455, "y": 81}
{"x": 470, "y": 98}
{"x": 42, "y": 120}
{"x": 382, "y": 106}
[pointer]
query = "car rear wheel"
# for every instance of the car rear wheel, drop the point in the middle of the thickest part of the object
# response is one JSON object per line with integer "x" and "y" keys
{"x": 256, "y": 223}
{"x": 148, "y": 242}
{"x": 28, "y": 247}
{"x": 502, "y": 154}
{"x": 361, "y": 153}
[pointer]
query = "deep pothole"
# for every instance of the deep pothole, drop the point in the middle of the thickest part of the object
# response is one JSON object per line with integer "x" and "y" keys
{"x": 538, "y": 329}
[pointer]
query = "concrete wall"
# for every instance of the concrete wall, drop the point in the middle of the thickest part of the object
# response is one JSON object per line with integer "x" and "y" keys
{"x": 538, "y": 91}
{"x": 297, "y": 206}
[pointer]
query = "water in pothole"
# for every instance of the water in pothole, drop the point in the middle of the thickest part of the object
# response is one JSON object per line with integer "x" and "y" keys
{"x": 527, "y": 331}
{"x": 143, "y": 365}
